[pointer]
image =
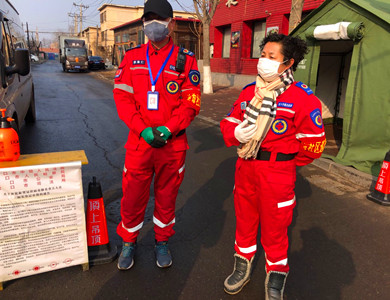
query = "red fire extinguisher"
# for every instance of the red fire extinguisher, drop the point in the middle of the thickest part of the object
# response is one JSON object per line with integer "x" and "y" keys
{"x": 9, "y": 139}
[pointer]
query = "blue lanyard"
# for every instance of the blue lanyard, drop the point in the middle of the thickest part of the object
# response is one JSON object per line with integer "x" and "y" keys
{"x": 161, "y": 69}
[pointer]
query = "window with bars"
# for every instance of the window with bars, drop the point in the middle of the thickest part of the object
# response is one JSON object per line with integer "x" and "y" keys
{"x": 226, "y": 42}
{"x": 257, "y": 37}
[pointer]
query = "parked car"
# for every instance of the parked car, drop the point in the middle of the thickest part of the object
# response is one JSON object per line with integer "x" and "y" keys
{"x": 33, "y": 57}
{"x": 96, "y": 62}
{"x": 16, "y": 82}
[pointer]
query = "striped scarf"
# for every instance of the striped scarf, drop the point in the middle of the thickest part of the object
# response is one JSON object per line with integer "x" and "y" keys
{"x": 262, "y": 110}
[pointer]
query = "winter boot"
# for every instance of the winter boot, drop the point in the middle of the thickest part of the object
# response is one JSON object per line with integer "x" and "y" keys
{"x": 240, "y": 276}
{"x": 274, "y": 285}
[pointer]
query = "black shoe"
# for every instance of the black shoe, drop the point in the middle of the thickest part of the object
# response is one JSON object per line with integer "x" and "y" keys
{"x": 274, "y": 285}
{"x": 240, "y": 276}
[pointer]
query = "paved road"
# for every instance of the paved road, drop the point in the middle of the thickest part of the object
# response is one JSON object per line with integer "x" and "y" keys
{"x": 339, "y": 240}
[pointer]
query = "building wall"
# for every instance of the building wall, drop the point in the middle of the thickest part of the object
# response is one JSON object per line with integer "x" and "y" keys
{"x": 92, "y": 34}
{"x": 183, "y": 36}
{"x": 240, "y": 18}
{"x": 112, "y": 16}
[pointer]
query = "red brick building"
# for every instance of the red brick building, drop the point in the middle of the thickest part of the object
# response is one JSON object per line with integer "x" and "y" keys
{"x": 239, "y": 26}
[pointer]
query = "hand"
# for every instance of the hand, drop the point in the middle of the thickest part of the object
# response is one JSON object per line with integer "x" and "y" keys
{"x": 158, "y": 140}
{"x": 147, "y": 135}
{"x": 152, "y": 137}
{"x": 244, "y": 133}
{"x": 165, "y": 133}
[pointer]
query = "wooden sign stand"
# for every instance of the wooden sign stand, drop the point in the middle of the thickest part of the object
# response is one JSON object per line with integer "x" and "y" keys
{"x": 47, "y": 158}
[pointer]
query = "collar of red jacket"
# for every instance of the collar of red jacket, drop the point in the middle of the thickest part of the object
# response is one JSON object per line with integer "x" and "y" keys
{"x": 163, "y": 50}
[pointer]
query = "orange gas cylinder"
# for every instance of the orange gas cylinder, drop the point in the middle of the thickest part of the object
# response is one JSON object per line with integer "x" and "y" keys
{"x": 9, "y": 139}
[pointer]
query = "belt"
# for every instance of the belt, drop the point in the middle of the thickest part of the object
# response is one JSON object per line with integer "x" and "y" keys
{"x": 266, "y": 155}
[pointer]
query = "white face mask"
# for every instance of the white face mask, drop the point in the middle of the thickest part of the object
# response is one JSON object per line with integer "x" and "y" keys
{"x": 268, "y": 69}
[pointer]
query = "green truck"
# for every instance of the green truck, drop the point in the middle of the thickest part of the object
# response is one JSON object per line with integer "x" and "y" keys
{"x": 73, "y": 53}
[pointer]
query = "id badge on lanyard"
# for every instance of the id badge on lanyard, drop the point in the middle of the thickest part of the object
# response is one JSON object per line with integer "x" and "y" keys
{"x": 153, "y": 96}
{"x": 153, "y": 99}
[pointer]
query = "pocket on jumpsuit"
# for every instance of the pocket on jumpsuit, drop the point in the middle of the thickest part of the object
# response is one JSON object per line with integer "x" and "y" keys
{"x": 282, "y": 181}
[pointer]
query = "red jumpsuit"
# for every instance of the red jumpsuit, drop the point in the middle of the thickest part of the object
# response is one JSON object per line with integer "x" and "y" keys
{"x": 178, "y": 104}
{"x": 264, "y": 189}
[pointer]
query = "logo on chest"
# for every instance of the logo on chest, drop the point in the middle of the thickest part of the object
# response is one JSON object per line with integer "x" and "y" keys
{"x": 285, "y": 104}
{"x": 172, "y": 87}
{"x": 279, "y": 126}
{"x": 138, "y": 62}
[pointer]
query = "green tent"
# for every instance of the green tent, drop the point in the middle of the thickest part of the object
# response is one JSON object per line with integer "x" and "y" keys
{"x": 348, "y": 68}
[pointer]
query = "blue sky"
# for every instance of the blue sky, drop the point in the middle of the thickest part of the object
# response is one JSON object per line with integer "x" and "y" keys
{"x": 52, "y": 15}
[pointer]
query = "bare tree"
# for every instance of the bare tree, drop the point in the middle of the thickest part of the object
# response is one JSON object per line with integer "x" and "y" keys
{"x": 295, "y": 14}
{"x": 196, "y": 30}
{"x": 205, "y": 10}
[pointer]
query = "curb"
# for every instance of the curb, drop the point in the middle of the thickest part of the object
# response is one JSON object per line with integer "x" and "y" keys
{"x": 351, "y": 174}
{"x": 209, "y": 120}
{"x": 103, "y": 77}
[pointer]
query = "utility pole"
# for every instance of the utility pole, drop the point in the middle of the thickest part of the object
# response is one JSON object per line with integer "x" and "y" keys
{"x": 37, "y": 37}
{"x": 28, "y": 38}
{"x": 81, "y": 14}
{"x": 295, "y": 14}
{"x": 75, "y": 22}
{"x": 97, "y": 39}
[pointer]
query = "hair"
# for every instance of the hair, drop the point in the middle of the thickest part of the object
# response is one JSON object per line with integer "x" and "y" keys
{"x": 292, "y": 47}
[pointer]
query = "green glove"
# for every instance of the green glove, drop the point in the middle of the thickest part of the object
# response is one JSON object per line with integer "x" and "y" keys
{"x": 147, "y": 135}
{"x": 165, "y": 131}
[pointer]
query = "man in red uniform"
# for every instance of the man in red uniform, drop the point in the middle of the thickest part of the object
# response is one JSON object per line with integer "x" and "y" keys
{"x": 264, "y": 184}
{"x": 157, "y": 95}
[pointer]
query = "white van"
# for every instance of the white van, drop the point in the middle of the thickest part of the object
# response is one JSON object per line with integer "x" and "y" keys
{"x": 16, "y": 84}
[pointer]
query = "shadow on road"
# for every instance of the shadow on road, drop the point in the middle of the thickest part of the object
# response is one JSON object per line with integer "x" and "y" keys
{"x": 323, "y": 267}
{"x": 199, "y": 224}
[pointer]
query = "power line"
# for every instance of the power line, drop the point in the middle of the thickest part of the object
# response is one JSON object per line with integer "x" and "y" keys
{"x": 52, "y": 32}
{"x": 75, "y": 16}
{"x": 81, "y": 13}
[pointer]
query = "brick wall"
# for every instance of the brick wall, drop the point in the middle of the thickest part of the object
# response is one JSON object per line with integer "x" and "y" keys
{"x": 240, "y": 18}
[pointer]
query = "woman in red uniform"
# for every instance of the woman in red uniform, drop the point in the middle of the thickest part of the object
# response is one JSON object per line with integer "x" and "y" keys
{"x": 288, "y": 131}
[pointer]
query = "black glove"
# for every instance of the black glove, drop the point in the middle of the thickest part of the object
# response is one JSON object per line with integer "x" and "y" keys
{"x": 158, "y": 141}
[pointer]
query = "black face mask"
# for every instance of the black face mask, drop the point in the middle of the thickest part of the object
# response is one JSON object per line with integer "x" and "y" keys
{"x": 156, "y": 30}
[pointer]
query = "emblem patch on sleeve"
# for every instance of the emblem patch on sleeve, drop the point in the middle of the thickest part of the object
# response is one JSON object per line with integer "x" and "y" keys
{"x": 243, "y": 105}
{"x": 194, "y": 76}
{"x": 118, "y": 74}
{"x": 315, "y": 116}
{"x": 279, "y": 126}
